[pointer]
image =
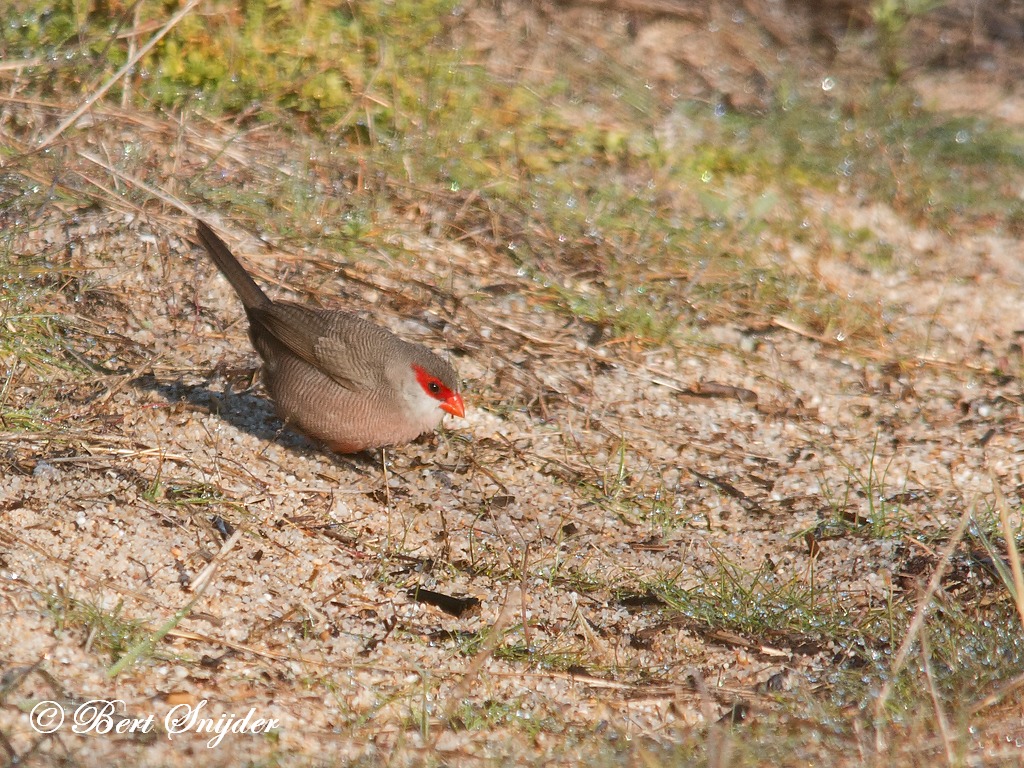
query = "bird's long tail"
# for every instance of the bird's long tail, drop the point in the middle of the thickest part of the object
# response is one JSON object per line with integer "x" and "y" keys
{"x": 252, "y": 295}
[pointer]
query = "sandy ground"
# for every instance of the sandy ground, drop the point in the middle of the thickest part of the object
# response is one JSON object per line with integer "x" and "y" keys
{"x": 583, "y": 479}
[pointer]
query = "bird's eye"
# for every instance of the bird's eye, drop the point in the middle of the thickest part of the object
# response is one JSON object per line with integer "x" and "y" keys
{"x": 434, "y": 387}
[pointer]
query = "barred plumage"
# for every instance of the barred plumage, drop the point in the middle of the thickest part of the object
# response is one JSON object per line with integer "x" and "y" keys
{"x": 336, "y": 377}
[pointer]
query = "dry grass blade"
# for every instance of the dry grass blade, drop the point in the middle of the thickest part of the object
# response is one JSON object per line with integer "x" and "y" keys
{"x": 171, "y": 200}
{"x": 917, "y": 623}
{"x": 1012, "y": 553}
{"x": 184, "y": 11}
{"x": 940, "y": 715}
{"x": 198, "y": 584}
{"x": 618, "y": 264}
{"x": 495, "y": 634}
{"x": 1002, "y": 692}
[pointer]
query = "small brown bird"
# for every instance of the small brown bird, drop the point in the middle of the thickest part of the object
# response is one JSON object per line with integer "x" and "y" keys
{"x": 336, "y": 377}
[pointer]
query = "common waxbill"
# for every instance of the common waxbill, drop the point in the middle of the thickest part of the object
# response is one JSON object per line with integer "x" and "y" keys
{"x": 335, "y": 377}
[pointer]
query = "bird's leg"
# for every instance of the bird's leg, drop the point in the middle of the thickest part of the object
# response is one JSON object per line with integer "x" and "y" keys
{"x": 253, "y": 374}
{"x": 384, "y": 472}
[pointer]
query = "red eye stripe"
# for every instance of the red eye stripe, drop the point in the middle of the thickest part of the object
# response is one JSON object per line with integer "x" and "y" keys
{"x": 450, "y": 402}
{"x": 432, "y": 385}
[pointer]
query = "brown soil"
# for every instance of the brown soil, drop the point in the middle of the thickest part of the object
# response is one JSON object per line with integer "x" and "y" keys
{"x": 768, "y": 448}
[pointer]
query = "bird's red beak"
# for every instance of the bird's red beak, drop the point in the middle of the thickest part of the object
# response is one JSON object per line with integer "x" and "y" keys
{"x": 454, "y": 406}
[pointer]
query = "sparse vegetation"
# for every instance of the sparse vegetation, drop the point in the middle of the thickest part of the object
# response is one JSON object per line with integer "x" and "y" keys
{"x": 102, "y": 628}
{"x": 652, "y": 560}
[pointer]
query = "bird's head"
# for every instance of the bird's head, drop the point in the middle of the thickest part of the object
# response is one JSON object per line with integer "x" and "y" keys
{"x": 442, "y": 387}
{"x": 428, "y": 387}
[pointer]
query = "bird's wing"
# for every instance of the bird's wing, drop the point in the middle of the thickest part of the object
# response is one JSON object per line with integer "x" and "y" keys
{"x": 347, "y": 348}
